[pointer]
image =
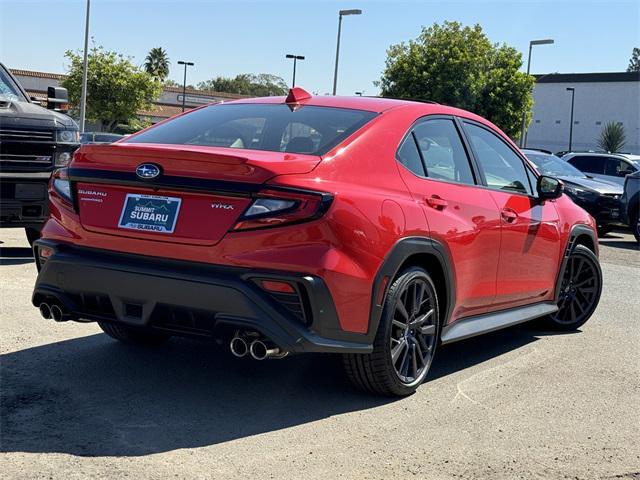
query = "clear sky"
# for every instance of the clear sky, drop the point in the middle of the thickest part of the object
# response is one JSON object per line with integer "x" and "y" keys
{"x": 231, "y": 37}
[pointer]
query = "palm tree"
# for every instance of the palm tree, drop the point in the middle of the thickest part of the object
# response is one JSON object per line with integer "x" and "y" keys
{"x": 157, "y": 63}
{"x": 612, "y": 137}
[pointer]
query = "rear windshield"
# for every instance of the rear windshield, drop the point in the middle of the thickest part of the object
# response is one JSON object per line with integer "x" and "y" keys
{"x": 273, "y": 127}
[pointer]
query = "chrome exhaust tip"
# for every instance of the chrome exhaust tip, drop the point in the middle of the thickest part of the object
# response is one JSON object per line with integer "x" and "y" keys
{"x": 45, "y": 311}
{"x": 238, "y": 347}
{"x": 260, "y": 351}
{"x": 57, "y": 314}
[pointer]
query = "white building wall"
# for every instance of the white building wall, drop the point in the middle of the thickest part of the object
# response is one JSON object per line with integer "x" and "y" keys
{"x": 596, "y": 103}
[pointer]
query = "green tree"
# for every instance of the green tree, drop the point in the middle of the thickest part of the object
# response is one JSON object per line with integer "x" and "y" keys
{"x": 261, "y": 85}
{"x": 612, "y": 137}
{"x": 459, "y": 66}
{"x": 634, "y": 61}
{"x": 116, "y": 89}
{"x": 157, "y": 63}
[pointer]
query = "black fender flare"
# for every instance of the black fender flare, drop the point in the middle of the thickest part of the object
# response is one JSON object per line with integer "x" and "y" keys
{"x": 394, "y": 260}
{"x": 574, "y": 233}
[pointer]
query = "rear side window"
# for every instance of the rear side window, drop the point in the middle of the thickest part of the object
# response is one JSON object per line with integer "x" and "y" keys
{"x": 409, "y": 156}
{"x": 442, "y": 151}
{"x": 503, "y": 169}
{"x": 588, "y": 164}
{"x": 272, "y": 127}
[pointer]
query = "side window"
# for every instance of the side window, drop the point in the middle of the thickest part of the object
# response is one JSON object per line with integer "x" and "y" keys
{"x": 409, "y": 156}
{"x": 442, "y": 151}
{"x": 533, "y": 181}
{"x": 588, "y": 164}
{"x": 617, "y": 167}
{"x": 503, "y": 169}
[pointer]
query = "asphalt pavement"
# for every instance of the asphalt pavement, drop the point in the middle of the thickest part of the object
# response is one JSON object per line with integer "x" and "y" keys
{"x": 520, "y": 403}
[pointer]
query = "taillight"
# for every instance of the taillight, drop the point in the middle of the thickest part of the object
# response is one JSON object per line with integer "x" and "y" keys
{"x": 272, "y": 208}
{"x": 61, "y": 186}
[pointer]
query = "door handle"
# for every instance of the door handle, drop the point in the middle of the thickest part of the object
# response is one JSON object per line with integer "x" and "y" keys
{"x": 434, "y": 201}
{"x": 508, "y": 215}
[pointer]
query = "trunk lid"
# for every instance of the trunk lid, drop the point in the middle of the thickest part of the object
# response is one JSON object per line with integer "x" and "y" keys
{"x": 198, "y": 196}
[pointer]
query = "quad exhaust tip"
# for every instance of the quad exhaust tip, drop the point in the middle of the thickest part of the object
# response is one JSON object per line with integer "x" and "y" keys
{"x": 45, "y": 311}
{"x": 57, "y": 314}
{"x": 249, "y": 343}
{"x": 238, "y": 346}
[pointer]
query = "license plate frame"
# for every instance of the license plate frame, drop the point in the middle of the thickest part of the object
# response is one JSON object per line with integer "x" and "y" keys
{"x": 155, "y": 207}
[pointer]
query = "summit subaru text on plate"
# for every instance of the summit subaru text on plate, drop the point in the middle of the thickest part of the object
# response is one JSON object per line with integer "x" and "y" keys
{"x": 374, "y": 228}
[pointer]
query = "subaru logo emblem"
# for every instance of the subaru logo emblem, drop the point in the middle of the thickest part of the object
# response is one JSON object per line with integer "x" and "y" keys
{"x": 147, "y": 171}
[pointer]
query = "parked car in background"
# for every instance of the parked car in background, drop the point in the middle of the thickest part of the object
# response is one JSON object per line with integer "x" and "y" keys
{"x": 99, "y": 137}
{"x": 600, "y": 198}
{"x": 631, "y": 203}
{"x": 221, "y": 223}
{"x": 33, "y": 142}
{"x": 612, "y": 167}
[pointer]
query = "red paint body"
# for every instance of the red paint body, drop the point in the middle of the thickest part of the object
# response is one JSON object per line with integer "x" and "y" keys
{"x": 496, "y": 263}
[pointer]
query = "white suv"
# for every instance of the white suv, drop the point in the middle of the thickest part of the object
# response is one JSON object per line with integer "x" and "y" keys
{"x": 612, "y": 167}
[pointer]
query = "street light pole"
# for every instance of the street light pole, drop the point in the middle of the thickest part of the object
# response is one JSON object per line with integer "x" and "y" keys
{"x": 85, "y": 66}
{"x": 546, "y": 41}
{"x": 341, "y": 13}
{"x": 295, "y": 59}
{"x": 573, "y": 94}
{"x": 184, "y": 82}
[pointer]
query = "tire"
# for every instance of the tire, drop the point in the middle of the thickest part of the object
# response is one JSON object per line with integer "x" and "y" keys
{"x": 580, "y": 291}
{"x": 635, "y": 226}
{"x": 133, "y": 336}
{"x": 400, "y": 324}
{"x": 33, "y": 234}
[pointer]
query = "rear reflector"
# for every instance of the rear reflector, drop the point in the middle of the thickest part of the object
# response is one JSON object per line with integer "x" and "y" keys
{"x": 274, "y": 286}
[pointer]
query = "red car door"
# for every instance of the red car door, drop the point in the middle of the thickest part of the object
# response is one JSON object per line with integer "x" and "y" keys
{"x": 459, "y": 213}
{"x": 530, "y": 245}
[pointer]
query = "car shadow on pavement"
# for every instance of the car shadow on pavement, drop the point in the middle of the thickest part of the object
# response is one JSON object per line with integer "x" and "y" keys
{"x": 15, "y": 255}
{"x": 630, "y": 245}
{"x": 91, "y": 396}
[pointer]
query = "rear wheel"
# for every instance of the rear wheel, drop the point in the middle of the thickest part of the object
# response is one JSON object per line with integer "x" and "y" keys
{"x": 406, "y": 339}
{"x": 579, "y": 292}
{"x": 133, "y": 336}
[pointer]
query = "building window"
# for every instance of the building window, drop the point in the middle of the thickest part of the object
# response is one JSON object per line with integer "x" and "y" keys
{"x": 537, "y": 121}
{"x": 577, "y": 122}
{"x": 598, "y": 123}
{"x": 557, "y": 121}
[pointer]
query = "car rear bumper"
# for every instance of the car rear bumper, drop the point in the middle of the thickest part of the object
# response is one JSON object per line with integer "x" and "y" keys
{"x": 189, "y": 298}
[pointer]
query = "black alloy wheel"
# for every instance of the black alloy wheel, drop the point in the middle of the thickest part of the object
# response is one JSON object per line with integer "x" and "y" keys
{"x": 579, "y": 291}
{"x": 406, "y": 339}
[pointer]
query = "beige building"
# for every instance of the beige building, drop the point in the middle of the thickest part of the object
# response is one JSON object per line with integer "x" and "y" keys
{"x": 168, "y": 105}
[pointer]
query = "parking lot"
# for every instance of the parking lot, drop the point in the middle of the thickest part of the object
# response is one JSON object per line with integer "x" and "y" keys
{"x": 520, "y": 403}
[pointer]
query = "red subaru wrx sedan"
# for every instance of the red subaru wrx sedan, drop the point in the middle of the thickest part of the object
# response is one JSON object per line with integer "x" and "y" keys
{"x": 370, "y": 227}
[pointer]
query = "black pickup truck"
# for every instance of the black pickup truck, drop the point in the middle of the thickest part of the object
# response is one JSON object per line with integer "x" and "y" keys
{"x": 34, "y": 141}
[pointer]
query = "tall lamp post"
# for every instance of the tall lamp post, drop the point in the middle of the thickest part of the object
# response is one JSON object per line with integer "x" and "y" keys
{"x": 342, "y": 13}
{"x": 85, "y": 66}
{"x": 295, "y": 59}
{"x": 184, "y": 82}
{"x": 546, "y": 41}
{"x": 573, "y": 95}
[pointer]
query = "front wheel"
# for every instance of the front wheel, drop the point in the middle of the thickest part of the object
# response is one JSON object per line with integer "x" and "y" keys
{"x": 406, "y": 339}
{"x": 579, "y": 291}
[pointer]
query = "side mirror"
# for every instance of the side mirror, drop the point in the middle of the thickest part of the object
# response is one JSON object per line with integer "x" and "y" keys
{"x": 548, "y": 187}
{"x": 58, "y": 99}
